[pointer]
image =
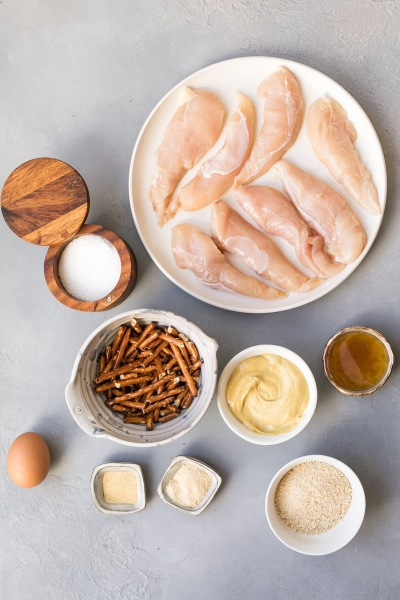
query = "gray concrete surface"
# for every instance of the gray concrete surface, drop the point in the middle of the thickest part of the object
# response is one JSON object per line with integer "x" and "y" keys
{"x": 77, "y": 80}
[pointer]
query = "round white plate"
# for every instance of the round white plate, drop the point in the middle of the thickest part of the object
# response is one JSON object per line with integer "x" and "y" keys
{"x": 224, "y": 78}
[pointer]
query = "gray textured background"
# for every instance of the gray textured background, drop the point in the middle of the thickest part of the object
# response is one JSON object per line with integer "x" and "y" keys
{"x": 77, "y": 80}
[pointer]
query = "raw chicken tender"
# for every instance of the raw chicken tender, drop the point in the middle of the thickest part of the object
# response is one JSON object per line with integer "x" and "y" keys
{"x": 216, "y": 175}
{"x": 232, "y": 233}
{"x": 325, "y": 211}
{"x": 193, "y": 130}
{"x": 193, "y": 250}
{"x": 332, "y": 137}
{"x": 275, "y": 214}
{"x": 283, "y": 115}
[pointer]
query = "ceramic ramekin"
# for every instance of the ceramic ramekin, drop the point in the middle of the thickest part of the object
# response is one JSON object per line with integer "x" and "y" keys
{"x": 95, "y": 418}
{"x": 170, "y": 472}
{"x": 332, "y": 540}
{"x": 240, "y": 429}
{"x": 96, "y": 488}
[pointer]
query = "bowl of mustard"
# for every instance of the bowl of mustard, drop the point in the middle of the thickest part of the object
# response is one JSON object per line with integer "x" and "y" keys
{"x": 267, "y": 394}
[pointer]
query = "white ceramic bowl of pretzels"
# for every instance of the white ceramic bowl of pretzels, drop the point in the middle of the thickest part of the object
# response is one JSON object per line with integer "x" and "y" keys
{"x": 143, "y": 378}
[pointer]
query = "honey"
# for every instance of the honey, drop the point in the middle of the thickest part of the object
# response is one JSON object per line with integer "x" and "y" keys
{"x": 358, "y": 361}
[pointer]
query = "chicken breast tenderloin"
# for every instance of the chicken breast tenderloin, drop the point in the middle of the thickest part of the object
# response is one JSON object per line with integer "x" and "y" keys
{"x": 276, "y": 215}
{"x": 216, "y": 175}
{"x": 232, "y": 233}
{"x": 193, "y": 130}
{"x": 195, "y": 251}
{"x": 326, "y": 211}
{"x": 283, "y": 115}
{"x": 332, "y": 138}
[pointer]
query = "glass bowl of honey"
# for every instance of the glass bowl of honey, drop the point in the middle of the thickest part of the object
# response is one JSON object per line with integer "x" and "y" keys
{"x": 358, "y": 361}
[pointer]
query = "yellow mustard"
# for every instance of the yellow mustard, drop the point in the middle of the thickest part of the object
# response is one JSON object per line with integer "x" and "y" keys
{"x": 268, "y": 394}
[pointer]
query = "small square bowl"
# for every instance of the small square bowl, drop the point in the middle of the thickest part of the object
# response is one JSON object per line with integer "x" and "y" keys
{"x": 96, "y": 487}
{"x": 170, "y": 472}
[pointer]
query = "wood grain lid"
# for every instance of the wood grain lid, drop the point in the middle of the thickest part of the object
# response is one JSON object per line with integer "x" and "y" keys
{"x": 45, "y": 201}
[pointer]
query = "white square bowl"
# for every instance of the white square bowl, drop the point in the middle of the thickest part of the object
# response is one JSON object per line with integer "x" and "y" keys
{"x": 96, "y": 487}
{"x": 170, "y": 472}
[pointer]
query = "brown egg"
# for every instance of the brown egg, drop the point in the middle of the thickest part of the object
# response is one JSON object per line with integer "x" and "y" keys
{"x": 28, "y": 460}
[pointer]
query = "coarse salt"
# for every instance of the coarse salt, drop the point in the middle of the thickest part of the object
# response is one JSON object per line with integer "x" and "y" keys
{"x": 89, "y": 268}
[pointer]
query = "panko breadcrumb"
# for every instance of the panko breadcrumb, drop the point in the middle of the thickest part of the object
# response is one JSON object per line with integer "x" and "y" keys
{"x": 313, "y": 497}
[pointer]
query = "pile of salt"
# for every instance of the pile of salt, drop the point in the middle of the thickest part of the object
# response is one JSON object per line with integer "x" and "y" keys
{"x": 89, "y": 268}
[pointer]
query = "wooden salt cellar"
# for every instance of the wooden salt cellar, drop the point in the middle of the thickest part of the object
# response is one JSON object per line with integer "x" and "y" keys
{"x": 46, "y": 202}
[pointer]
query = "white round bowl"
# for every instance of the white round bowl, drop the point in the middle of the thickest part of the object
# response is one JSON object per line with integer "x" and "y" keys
{"x": 324, "y": 543}
{"x": 237, "y": 426}
{"x": 95, "y": 418}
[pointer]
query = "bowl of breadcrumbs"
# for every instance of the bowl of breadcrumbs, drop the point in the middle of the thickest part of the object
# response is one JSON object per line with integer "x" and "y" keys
{"x": 315, "y": 504}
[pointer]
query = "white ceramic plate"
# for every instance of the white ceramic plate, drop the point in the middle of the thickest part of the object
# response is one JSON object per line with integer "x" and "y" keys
{"x": 332, "y": 540}
{"x": 238, "y": 427}
{"x": 224, "y": 78}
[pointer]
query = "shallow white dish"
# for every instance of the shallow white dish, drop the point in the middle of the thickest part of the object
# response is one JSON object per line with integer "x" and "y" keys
{"x": 96, "y": 487}
{"x": 170, "y": 472}
{"x": 239, "y": 428}
{"x": 95, "y": 418}
{"x": 224, "y": 78}
{"x": 332, "y": 540}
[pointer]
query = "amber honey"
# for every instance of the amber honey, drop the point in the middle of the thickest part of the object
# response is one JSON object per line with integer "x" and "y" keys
{"x": 358, "y": 361}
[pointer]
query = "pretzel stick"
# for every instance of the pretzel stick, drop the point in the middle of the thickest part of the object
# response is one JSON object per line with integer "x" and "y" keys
{"x": 138, "y": 405}
{"x": 109, "y": 366}
{"x": 156, "y": 415}
{"x": 171, "y": 331}
{"x": 163, "y": 395}
{"x": 173, "y": 341}
{"x": 168, "y": 418}
{"x": 102, "y": 363}
{"x": 141, "y": 392}
{"x": 192, "y": 350}
{"x": 136, "y": 326}
{"x": 155, "y": 353}
{"x": 119, "y": 408}
{"x": 129, "y": 382}
{"x": 187, "y": 400}
{"x": 149, "y": 422}
{"x": 153, "y": 336}
{"x": 170, "y": 364}
{"x": 130, "y": 419}
{"x": 131, "y": 350}
{"x": 158, "y": 405}
{"x": 196, "y": 366}
{"x": 118, "y": 340}
{"x": 115, "y": 373}
{"x": 107, "y": 353}
{"x": 185, "y": 371}
{"x": 185, "y": 355}
{"x": 119, "y": 384}
{"x": 122, "y": 348}
{"x": 181, "y": 396}
{"x": 159, "y": 365}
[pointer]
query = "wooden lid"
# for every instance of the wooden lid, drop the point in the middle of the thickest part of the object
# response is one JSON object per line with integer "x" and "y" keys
{"x": 45, "y": 201}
